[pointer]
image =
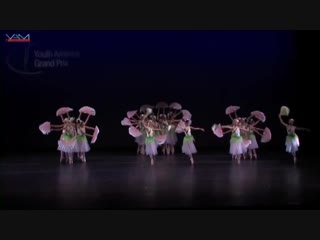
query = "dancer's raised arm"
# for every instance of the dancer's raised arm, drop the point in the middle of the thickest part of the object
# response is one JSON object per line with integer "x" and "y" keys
{"x": 282, "y": 122}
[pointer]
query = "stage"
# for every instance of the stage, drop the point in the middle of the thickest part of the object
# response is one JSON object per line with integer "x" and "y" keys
{"x": 129, "y": 182}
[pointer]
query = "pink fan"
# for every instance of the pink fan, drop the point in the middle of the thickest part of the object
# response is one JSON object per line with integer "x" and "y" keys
{"x": 176, "y": 106}
{"x": 45, "y": 128}
{"x": 186, "y": 114}
{"x": 63, "y": 110}
{"x": 134, "y": 132}
{"x": 95, "y": 135}
{"x": 232, "y": 109}
{"x": 130, "y": 114}
{"x": 126, "y": 122}
{"x": 266, "y": 136}
{"x": 259, "y": 115}
{"x": 161, "y": 105}
{"x": 217, "y": 130}
{"x": 161, "y": 139}
{"x": 88, "y": 110}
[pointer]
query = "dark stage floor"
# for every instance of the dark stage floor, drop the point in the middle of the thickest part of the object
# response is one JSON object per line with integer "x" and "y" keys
{"x": 129, "y": 182}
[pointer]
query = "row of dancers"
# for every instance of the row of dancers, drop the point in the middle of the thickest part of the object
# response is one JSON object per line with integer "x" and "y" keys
{"x": 73, "y": 138}
{"x": 158, "y": 126}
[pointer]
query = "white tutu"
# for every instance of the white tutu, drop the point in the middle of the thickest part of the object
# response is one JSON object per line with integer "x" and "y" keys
{"x": 236, "y": 145}
{"x": 67, "y": 146}
{"x": 292, "y": 143}
{"x": 188, "y": 146}
{"x": 253, "y": 144}
{"x": 151, "y": 146}
{"x": 171, "y": 137}
{"x": 82, "y": 144}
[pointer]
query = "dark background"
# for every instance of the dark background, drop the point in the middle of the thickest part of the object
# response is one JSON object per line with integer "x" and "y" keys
{"x": 205, "y": 71}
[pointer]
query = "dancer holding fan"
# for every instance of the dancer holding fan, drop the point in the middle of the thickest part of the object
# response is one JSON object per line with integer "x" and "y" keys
{"x": 82, "y": 143}
{"x": 292, "y": 140}
{"x": 73, "y": 137}
{"x": 188, "y": 146}
{"x": 252, "y": 130}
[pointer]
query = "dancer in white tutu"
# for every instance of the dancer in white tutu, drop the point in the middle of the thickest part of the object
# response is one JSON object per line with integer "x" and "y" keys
{"x": 68, "y": 140}
{"x": 73, "y": 137}
{"x": 244, "y": 132}
{"x": 292, "y": 140}
{"x": 237, "y": 146}
{"x": 82, "y": 145}
{"x": 188, "y": 146}
{"x": 150, "y": 141}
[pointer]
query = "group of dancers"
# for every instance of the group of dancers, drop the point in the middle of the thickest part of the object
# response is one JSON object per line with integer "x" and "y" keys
{"x": 73, "y": 139}
{"x": 157, "y": 126}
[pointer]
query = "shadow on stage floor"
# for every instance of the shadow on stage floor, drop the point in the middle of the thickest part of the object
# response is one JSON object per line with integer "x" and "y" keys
{"x": 129, "y": 182}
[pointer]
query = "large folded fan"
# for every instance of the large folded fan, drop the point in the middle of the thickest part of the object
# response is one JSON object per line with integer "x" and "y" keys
{"x": 95, "y": 135}
{"x": 45, "y": 128}
{"x": 232, "y": 109}
{"x": 217, "y": 130}
{"x": 175, "y": 105}
{"x": 126, "y": 122}
{"x": 63, "y": 110}
{"x": 88, "y": 110}
{"x": 284, "y": 111}
{"x": 134, "y": 132}
{"x": 259, "y": 115}
{"x": 266, "y": 136}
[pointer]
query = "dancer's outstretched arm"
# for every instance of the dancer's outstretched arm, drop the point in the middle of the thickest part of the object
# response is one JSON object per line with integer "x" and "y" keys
{"x": 257, "y": 132}
{"x": 200, "y": 129}
{"x": 227, "y": 126}
{"x": 228, "y": 131}
{"x": 254, "y": 124}
{"x": 303, "y": 129}
{"x": 57, "y": 126}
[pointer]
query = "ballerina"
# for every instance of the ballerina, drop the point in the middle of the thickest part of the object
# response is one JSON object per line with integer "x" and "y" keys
{"x": 252, "y": 137}
{"x": 188, "y": 146}
{"x": 150, "y": 141}
{"x": 292, "y": 140}
{"x": 82, "y": 145}
{"x": 244, "y": 132}
{"x": 67, "y": 141}
{"x": 237, "y": 147}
